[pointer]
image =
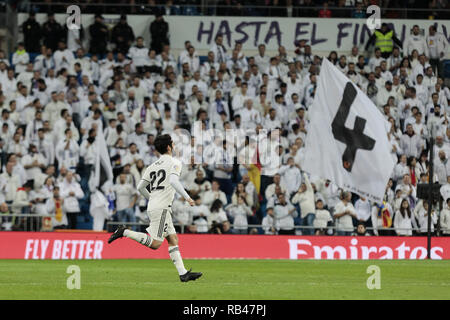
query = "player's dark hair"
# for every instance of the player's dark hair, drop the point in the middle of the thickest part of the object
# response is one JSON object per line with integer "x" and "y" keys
{"x": 162, "y": 142}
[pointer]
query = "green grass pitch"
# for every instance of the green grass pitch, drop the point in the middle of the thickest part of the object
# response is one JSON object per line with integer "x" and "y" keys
{"x": 224, "y": 280}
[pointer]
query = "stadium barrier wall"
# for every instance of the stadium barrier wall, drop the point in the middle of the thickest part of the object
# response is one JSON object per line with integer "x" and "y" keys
{"x": 324, "y": 35}
{"x": 77, "y": 245}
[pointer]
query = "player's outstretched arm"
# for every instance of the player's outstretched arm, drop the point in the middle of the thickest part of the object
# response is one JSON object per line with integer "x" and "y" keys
{"x": 142, "y": 188}
{"x": 176, "y": 184}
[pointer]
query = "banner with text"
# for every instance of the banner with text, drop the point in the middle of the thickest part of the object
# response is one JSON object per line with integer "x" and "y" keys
{"x": 322, "y": 34}
{"x": 62, "y": 245}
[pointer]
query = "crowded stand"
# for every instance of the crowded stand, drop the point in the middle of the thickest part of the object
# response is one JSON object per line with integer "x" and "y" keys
{"x": 60, "y": 95}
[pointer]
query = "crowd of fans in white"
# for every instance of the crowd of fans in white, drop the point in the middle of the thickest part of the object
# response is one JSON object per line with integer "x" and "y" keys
{"x": 52, "y": 108}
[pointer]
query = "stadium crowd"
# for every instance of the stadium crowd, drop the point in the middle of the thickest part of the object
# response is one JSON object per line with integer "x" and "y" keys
{"x": 392, "y": 9}
{"x": 52, "y": 109}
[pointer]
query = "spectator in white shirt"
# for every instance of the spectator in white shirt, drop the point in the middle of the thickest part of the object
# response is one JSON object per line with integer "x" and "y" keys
{"x": 284, "y": 213}
{"x": 411, "y": 143}
{"x": 404, "y": 220}
{"x": 88, "y": 149}
{"x": 445, "y": 219}
{"x": 71, "y": 192}
{"x": 208, "y": 64}
{"x": 192, "y": 60}
{"x": 268, "y": 223}
{"x": 181, "y": 214}
{"x": 407, "y": 190}
{"x": 291, "y": 176}
{"x": 209, "y": 196}
{"x": 240, "y": 98}
{"x": 384, "y": 94}
{"x": 217, "y": 107}
{"x": 375, "y": 60}
{"x": 240, "y": 191}
{"x": 199, "y": 215}
{"x": 415, "y": 41}
{"x": 249, "y": 116}
{"x": 55, "y": 208}
{"x": 270, "y": 190}
{"x": 23, "y": 100}
{"x": 322, "y": 218}
{"x": 420, "y": 68}
{"x": 217, "y": 216}
{"x": 261, "y": 59}
{"x": 442, "y": 167}
{"x": 363, "y": 209}
{"x": 92, "y": 122}
{"x": 33, "y": 162}
{"x": 63, "y": 57}
{"x": 23, "y": 201}
{"x": 272, "y": 121}
{"x": 400, "y": 169}
{"x": 68, "y": 151}
{"x": 20, "y": 58}
{"x": 305, "y": 198}
{"x": 9, "y": 84}
{"x": 139, "y": 54}
{"x": 17, "y": 146}
{"x": 343, "y": 214}
{"x": 422, "y": 217}
{"x": 240, "y": 213}
{"x": 437, "y": 48}
{"x": 27, "y": 75}
{"x": 199, "y": 186}
{"x": 9, "y": 182}
{"x": 219, "y": 50}
{"x": 126, "y": 197}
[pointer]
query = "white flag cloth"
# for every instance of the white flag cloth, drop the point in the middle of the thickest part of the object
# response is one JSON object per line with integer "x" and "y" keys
{"x": 103, "y": 170}
{"x": 347, "y": 138}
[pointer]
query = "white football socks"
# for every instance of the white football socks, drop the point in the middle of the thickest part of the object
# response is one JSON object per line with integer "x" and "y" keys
{"x": 175, "y": 255}
{"x": 140, "y": 237}
{"x": 146, "y": 240}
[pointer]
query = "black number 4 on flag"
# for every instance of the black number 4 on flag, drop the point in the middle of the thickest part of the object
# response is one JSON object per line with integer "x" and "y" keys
{"x": 354, "y": 138}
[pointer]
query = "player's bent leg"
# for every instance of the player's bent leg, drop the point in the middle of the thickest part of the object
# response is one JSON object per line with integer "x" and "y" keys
{"x": 155, "y": 244}
{"x": 117, "y": 234}
{"x": 157, "y": 227}
{"x": 142, "y": 238}
{"x": 172, "y": 239}
{"x": 174, "y": 252}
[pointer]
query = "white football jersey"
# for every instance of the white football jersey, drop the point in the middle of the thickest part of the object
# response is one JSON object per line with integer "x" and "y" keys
{"x": 157, "y": 174}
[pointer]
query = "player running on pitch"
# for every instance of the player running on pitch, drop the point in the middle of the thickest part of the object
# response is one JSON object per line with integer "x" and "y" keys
{"x": 162, "y": 177}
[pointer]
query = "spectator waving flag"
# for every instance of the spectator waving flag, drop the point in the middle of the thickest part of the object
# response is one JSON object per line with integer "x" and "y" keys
{"x": 347, "y": 140}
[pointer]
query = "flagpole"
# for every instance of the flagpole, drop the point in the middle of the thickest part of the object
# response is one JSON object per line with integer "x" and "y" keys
{"x": 430, "y": 195}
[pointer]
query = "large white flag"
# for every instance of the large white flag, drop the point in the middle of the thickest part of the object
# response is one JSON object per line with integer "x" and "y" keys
{"x": 347, "y": 138}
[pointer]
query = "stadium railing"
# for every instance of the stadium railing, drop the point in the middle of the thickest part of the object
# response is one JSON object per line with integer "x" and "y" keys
{"x": 211, "y": 8}
{"x": 39, "y": 222}
{"x": 329, "y": 230}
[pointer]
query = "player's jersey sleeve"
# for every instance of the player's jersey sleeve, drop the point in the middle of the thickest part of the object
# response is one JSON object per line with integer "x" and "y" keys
{"x": 176, "y": 167}
{"x": 146, "y": 175}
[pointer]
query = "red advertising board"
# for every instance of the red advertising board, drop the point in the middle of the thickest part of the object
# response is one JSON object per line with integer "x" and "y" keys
{"x": 55, "y": 245}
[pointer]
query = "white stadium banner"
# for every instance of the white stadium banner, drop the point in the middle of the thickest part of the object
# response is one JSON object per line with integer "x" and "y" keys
{"x": 347, "y": 139}
{"x": 322, "y": 34}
